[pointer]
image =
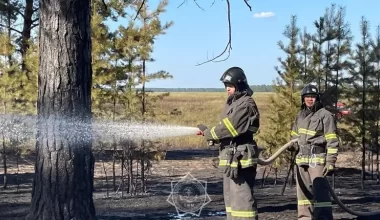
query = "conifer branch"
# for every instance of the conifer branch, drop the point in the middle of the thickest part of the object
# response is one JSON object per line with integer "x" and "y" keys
{"x": 10, "y": 28}
{"x": 10, "y": 7}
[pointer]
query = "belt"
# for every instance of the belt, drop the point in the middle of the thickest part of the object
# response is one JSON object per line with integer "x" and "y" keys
{"x": 246, "y": 138}
{"x": 306, "y": 150}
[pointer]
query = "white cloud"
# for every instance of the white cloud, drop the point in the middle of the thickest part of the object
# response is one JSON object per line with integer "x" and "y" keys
{"x": 264, "y": 14}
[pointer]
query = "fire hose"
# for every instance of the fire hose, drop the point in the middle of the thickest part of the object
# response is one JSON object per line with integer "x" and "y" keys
{"x": 264, "y": 162}
{"x": 268, "y": 161}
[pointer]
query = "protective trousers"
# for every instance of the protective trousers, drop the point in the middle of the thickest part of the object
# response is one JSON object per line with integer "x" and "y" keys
{"x": 238, "y": 195}
{"x": 308, "y": 207}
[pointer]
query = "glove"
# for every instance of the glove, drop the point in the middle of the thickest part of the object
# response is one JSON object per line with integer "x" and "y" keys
{"x": 233, "y": 169}
{"x": 328, "y": 169}
{"x": 202, "y": 128}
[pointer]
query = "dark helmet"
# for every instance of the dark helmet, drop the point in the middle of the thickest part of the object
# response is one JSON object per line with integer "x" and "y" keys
{"x": 310, "y": 90}
{"x": 236, "y": 77}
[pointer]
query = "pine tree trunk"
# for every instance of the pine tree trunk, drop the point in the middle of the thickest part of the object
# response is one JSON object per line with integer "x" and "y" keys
{"x": 363, "y": 175}
{"x": 372, "y": 164}
{"x": 378, "y": 112}
{"x": 64, "y": 168}
{"x": 263, "y": 177}
{"x": 114, "y": 166}
{"x": 291, "y": 167}
{"x": 266, "y": 176}
{"x": 122, "y": 173}
{"x": 9, "y": 23}
{"x": 275, "y": 178}
{"x": 130, "y": 171}
{"x": 5, "y": 183}
{"x": 104, "y": 168}
{"x": 28, "y": 13}
{"x": 143, "y": 107}
{"x": 142, "y": 177}
{"x": 377, "y": 128}
{"x": 377, "y": 166}
{"x": 18, "y": 170}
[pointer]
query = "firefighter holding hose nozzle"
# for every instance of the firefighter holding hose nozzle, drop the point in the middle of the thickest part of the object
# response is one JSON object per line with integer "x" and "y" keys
{"x": 317, "y": 149}
{"x": 238, "y": 151}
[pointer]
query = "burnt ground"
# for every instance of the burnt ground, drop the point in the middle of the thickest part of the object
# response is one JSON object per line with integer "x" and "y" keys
{"x": 14, "y": 203}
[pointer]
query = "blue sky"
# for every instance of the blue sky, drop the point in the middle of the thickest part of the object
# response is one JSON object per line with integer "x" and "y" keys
{"x": 196, "y": 33}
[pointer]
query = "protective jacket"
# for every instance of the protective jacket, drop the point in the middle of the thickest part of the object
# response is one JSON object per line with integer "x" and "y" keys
{"x": 239, "y": 122}
{"x": 238, "y": 154}
{"x": 318, "y": 142}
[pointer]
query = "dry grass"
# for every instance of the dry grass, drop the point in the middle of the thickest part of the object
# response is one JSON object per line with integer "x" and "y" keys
{"x": 193, "y": 108}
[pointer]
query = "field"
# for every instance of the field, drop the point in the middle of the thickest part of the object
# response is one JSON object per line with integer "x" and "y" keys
{"x": 190, "y": 154}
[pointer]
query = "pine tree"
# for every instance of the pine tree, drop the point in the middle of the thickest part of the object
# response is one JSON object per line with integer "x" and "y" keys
{"x": 105, "y": 58}
{"x": 148, "y": 28}
{"x": 64, "y": 167}
{"x": 339, "y": 62}
{"x": 151, "y": 28}
{"x": 286, "y": 103}
{"x": 306, "y": 55}
{"x": 8, "y": 17}
{"x": 7, "y": 78}
{"x": 13, "y": 10}
{"x": 376, "y": 63}
{"x": 100, "y": 63}
{"x": 126, "y": 46}
{"x": 361, "y": 78}
{"x": 318, "y": 39}
{"x": 329, "y": 52}
{"x": 30, "y": 81}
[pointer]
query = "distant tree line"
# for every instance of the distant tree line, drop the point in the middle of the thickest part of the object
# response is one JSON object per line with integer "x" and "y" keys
{"x": 255, "y": 88}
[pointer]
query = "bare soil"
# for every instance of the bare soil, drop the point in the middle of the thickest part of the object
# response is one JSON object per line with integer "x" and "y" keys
{"x": 15, "y": 200}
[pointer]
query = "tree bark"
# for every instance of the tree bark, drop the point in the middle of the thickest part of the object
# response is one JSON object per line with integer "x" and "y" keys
{"x": 64, "y": 168}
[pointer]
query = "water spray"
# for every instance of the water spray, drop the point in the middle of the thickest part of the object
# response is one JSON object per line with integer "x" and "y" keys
{"x": 26, "y": 127}
{"x": 138, "y": 130}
